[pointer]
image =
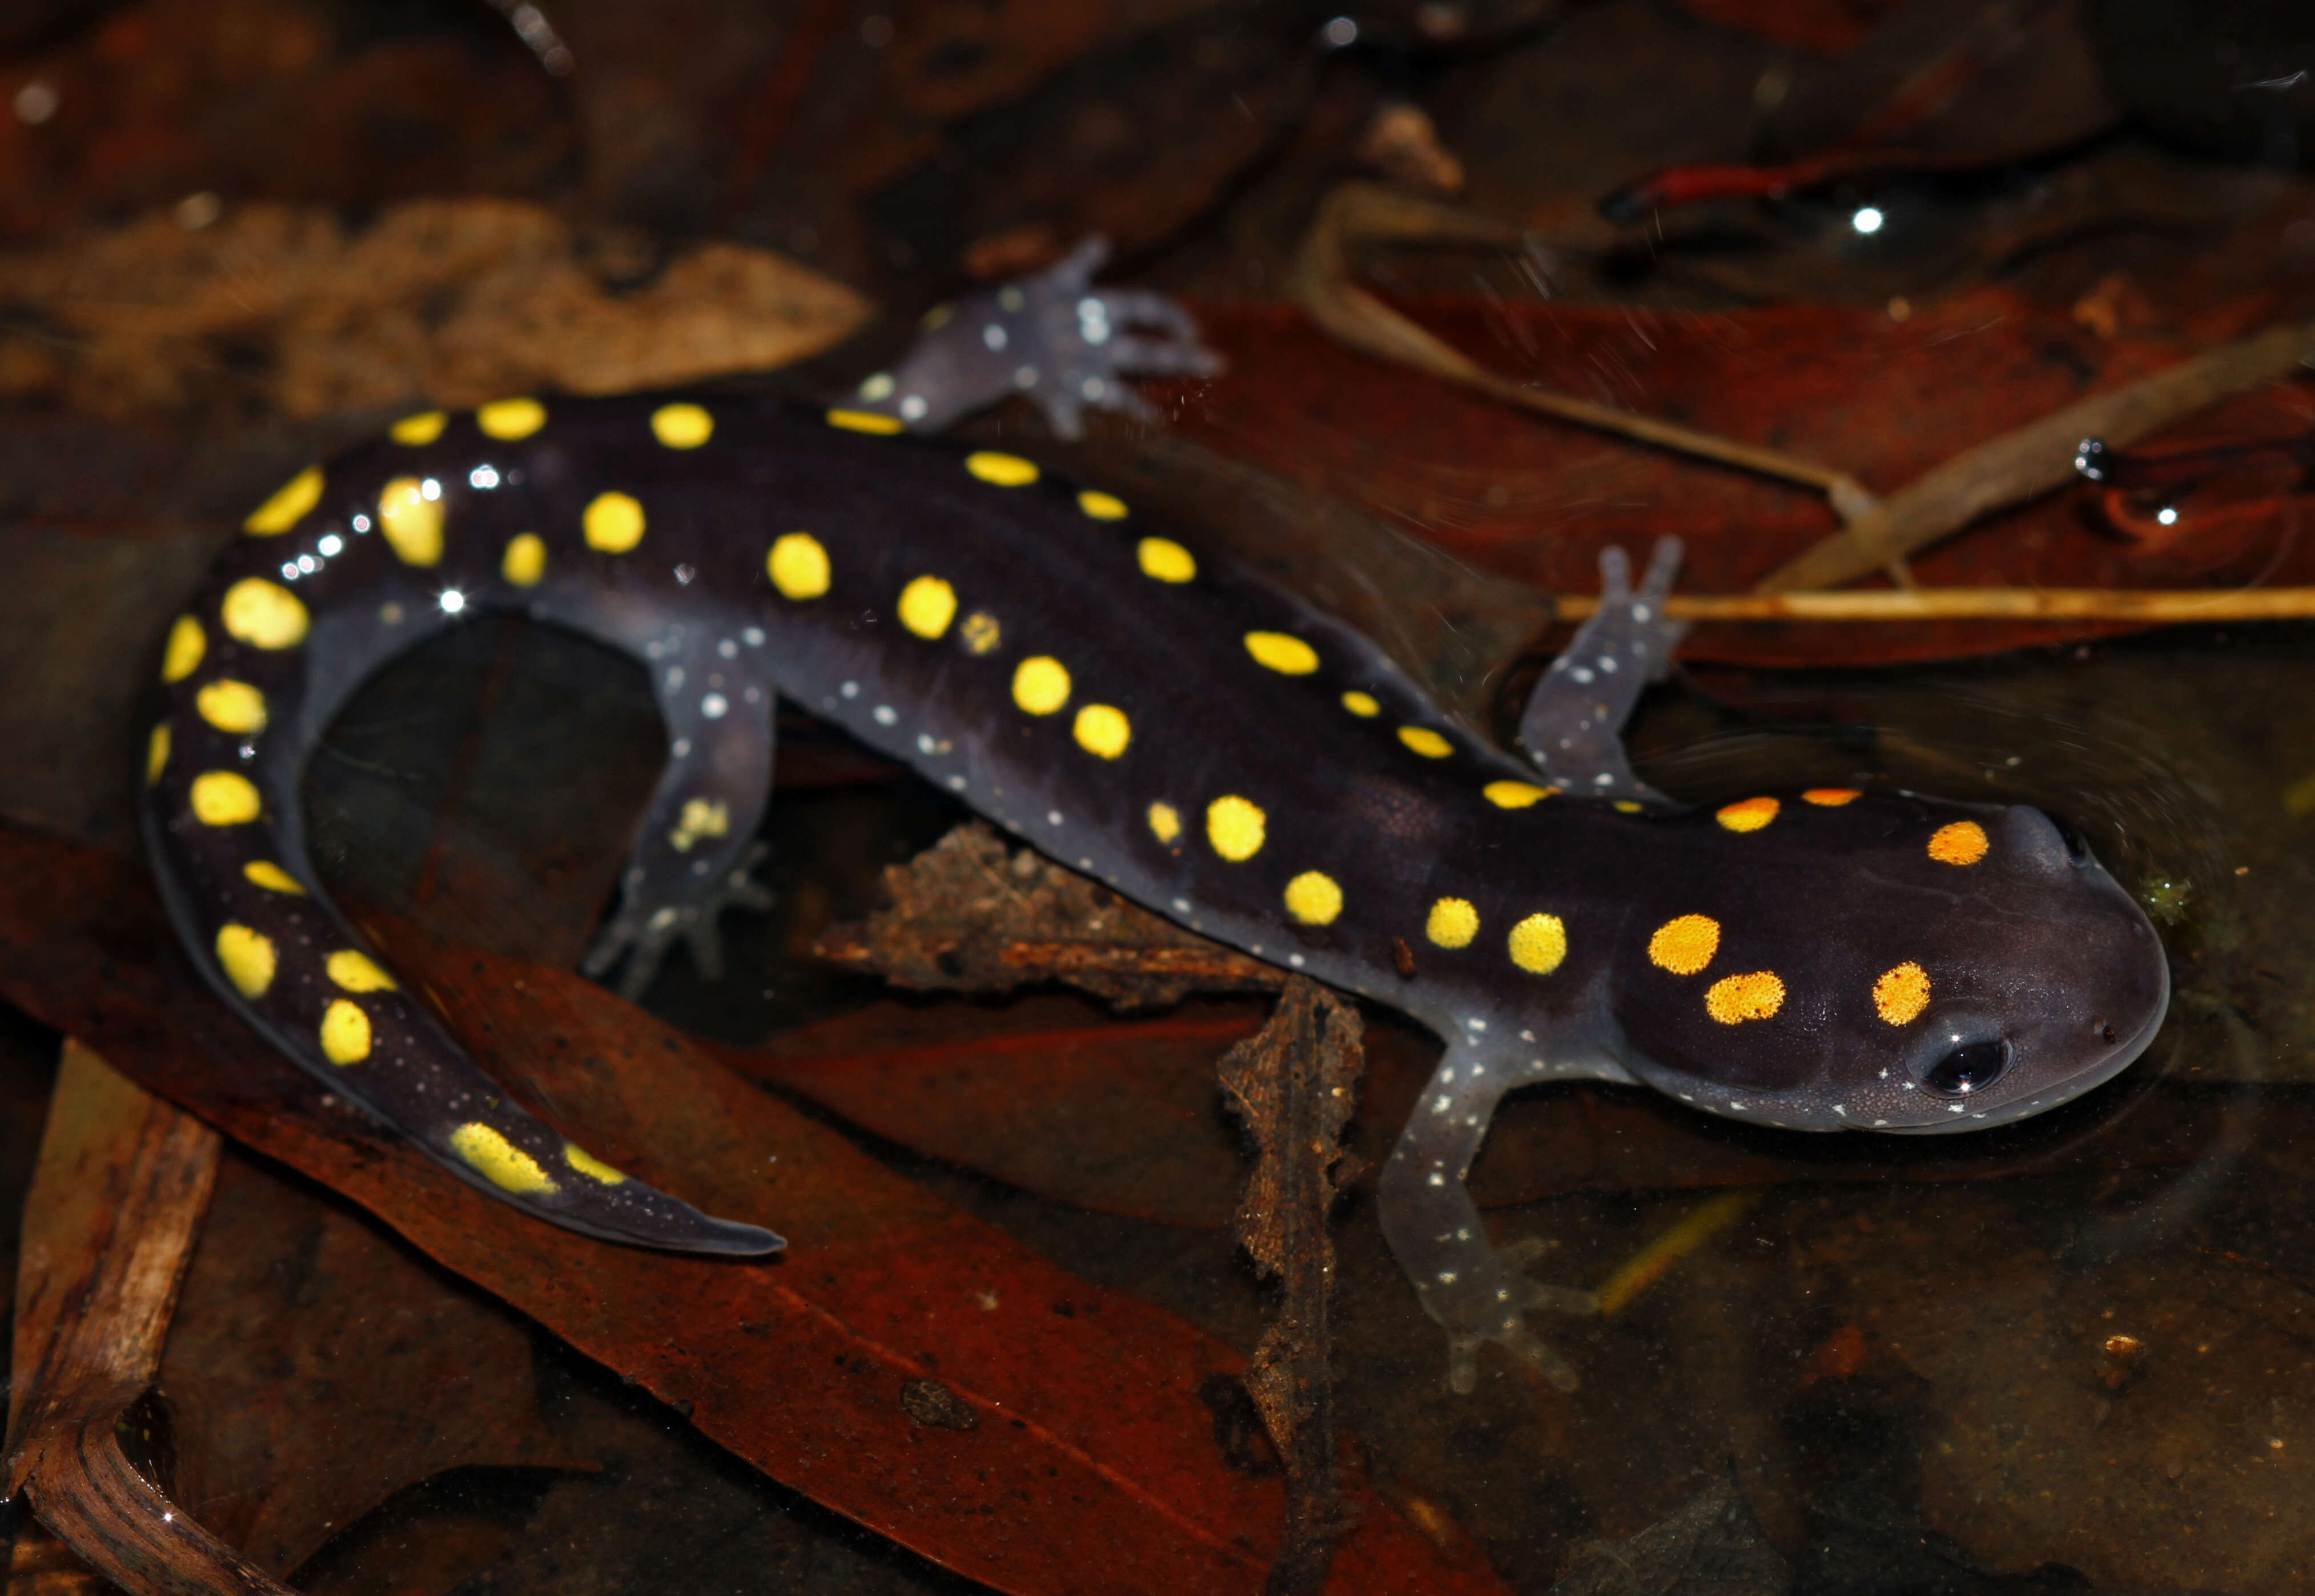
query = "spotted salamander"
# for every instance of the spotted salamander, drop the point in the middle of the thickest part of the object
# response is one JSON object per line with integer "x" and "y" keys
{"x": 1142, "y": 709}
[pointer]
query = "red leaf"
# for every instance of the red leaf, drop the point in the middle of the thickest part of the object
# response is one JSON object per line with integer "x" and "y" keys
{"x": 812, "y": 1368}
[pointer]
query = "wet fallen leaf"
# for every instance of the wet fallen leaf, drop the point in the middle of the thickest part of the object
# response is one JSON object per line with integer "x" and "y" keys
{"x": 1091, "y": 1417}
{"x": 302, "y": 1326}
{"x": 1883, "y": 398}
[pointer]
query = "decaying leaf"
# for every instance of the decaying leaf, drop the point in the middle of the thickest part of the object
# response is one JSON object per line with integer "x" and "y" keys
{"x": 122, "y": 1183}
{"x": 1295, "y": 1084}
{"x": 453, "y": 300}
{"x": 970, "y": 915}
{"x": 1710, "y": 1546}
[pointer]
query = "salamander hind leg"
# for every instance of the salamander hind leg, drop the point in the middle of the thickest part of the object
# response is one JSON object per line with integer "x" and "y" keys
{"x": 695, "y": 849}
{"x": 1479, "y": 1292}
{"x": 1573, "y": 721}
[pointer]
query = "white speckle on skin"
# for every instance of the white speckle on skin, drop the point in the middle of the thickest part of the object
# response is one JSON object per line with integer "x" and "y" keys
{"x": 1607, "y": 663}
{"x": 674, "y": 677}
{"x": 993, "y": 335}
{"x": 753, "y": 637}
{"x": 956, "y": 782}
{"x": 884, "y": 715}
{"x": 850, "y": 689}
{"x": 1295, "y": 960}
{"x": 1181, "y": 906}
{"x": 925, "y": 744}
{"x": 1052, "y": 817}
{"x": 913, "y": 408}
{"x": 1581, "y": 675}
{"x": 728, "y": 649}
{"x": 682, "y": 747}
{"x": 713, "y": 705}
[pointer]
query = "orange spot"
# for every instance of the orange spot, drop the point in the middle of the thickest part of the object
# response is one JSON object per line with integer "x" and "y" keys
{"x": 1962, "y": 843}
{"x": 1749, "y": 814}
{"x": 1903, "y": 993}
{"x": 1735, "y": 998}
{"x": 1830, "y": 797}
{"x": 1685, "y": 945}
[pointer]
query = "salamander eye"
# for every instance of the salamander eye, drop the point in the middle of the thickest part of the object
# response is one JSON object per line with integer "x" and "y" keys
{"x": 1969, "y": 1068}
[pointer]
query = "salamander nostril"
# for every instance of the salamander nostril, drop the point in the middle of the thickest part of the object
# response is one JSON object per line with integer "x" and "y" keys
{"x": 2106, "y": 1032}
{"x": 1969, "y": 1068}
{"x": 2077, "y": 846}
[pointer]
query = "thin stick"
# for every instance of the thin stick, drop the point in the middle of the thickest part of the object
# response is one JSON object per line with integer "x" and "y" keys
{"x": 2039, "y": 457}
{"x": 2152, "y": 606}
{"x": 1323, "y": 286}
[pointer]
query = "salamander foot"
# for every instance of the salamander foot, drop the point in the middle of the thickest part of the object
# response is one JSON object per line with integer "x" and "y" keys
{"x": 640, "y": 932}
{"x": 1487, "y": 1297}
{"x": 1052, "y": 337}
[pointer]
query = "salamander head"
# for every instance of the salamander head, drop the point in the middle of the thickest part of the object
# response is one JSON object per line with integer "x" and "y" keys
{"x": 1834, "y": 960}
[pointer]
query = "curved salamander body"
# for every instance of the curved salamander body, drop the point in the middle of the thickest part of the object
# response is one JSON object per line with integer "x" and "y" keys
{"x": 1161, "y": 721}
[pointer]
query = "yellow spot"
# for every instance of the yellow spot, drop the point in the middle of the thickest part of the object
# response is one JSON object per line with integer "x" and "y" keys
{"x": 156, "y": 753}
{"x": 1004, "y": 470}
{"x": 506, "y": 420}
{"x": 247, "y": 958}
{"x": 266, "y": 873}
{"x": 864, "y": 420}
{"x": 356, "y": 972}
{"x": 1685, "y": 945}
{"x": 1040, "y": 685}
{"x": 1627, "y": 806}
{"x": 345, "y": 1032}
{"x": 187, "y": 643}
{"x": 1235, "y": 827}
{"x": 1961, "y": 843}
{"x": 289, "y": 504}
{"x": 682, "y": 426}
{"x": 1165, "y": 823}
{"x": 613, "y": 524}
{"x": 423, "y": 428}
{"x": 233, "y": 707}
{"x": 980, "y": 632}
{"x": 1830, "y": 797}
{"x": 1452, "y": 924}
{"x": 264, "y": 614}
{"x": 1903, "y": 993}
{"x": 411, "y": 522}
{"x": 927, "y": 605}
{"x": 1423, "y": 740}
{"x": 1749, "y": 814}
{"x": 1101, "y": 506}
{"x": 701, "y": 817}
{"x": 1735, "y": 998}
{"x": 224, "y": 798}
{"x": 1165, "y": 561}
{"x": 1538, "y": 942}
{"x": 525, "y": 560}
{"x": 499, "y": 1161}
{"x": 1362, "y": 704}
{"x": 798, "y": 565}
{"x": 1313, "y": 898}
{"x": 1516, "y": 794}
{"x": 1102, "y": 728}
{"x": 577, "y": 1157}
{"x": 1287, "y": 655}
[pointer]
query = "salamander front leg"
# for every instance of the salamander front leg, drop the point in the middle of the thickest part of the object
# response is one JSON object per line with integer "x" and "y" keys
{"x": 1573, "y": 723}
{"x": 1478, "y": 1292}
{"x": 1054, "y": 337}
{"x": 695, "y": 845}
